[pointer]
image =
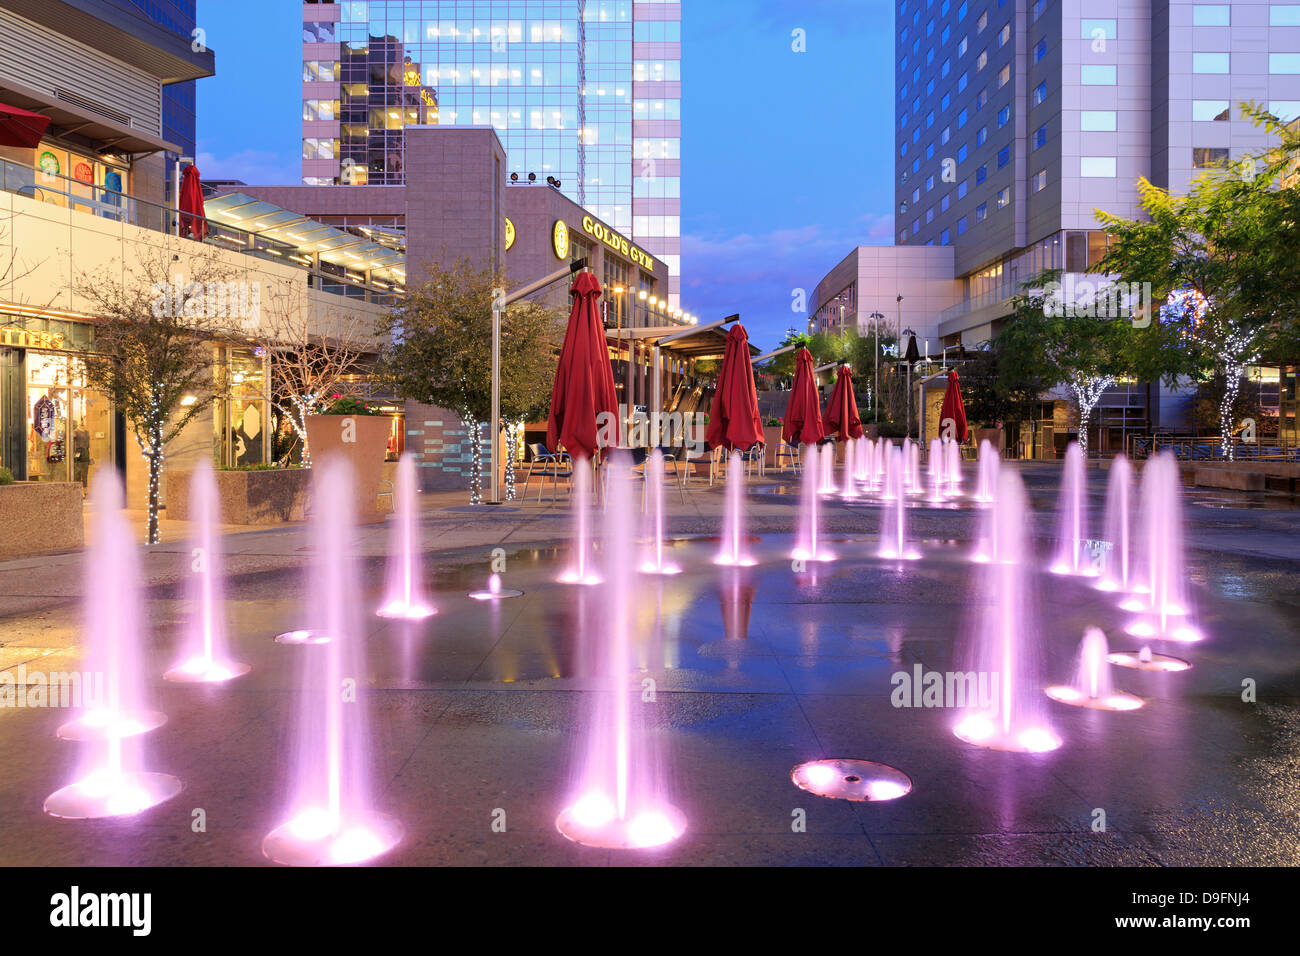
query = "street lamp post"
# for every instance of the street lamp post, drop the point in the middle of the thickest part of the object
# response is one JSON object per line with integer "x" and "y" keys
{"x": 499, "y": 303}
{"x": 875, "y": 347}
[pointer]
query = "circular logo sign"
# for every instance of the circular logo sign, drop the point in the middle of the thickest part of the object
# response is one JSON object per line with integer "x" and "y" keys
{"x": 561, "y": 239}
{"x": 510, "y": 234}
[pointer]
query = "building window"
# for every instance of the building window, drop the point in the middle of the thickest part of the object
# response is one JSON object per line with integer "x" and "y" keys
{"x": 1040, "y": 180}
{"x": 981, "y": 98}
{"x": 982, "y": 136}
{"x": 981, "y": 211}
{"x": 1102, "y": 74}
{"x": 1213, "y": 63}
{"x": 916, "y": 165}
{"x": 961, "y": 82}
{"x": 961, "y": 153}
{"x": 929, "y": 150}
{"x": 945, "y": 135}
{"x": 962, "y": 47}
{"x": 929, "y": 183}
{"x": 943, "y": 37}
{"x": 946, "y": 68}
{"x": 902, "y": 150}
{"x": 929, "y": 27}
{"x": 944, "y": 202}
{"x": 1089, "y": 29}
{"x": 944, "y": 238}
{"x": 982, "y": 60}
{"x": 1205, "y": 157}
{"x": 1211, "y": 110}
{"x": 916, "y": 226}
{"x": 1285, "y": 110}
{"x": 961, "y": 12}
{"x": 1097, "y": 121}
{"x": 1040, "y": 49}
{"x": 1040, "y": 93}
{"x": 961, "y": 189}
{"x": 929, "y": 119}
{"x": 1282, "y": 63}
{"x": 1040, "y": 137}
{"x": 1037, "y": 10}
{"x": 1004, "y": 156}
{"x": 916, "y": 194}
{"x": 1211, "y": 15}
{"x": 981, "y": 174}
{"x": 1097, "y": 167}
{"x": 1004, "y": 196}
{"x": 982, "y": 22}
{"x": 902, "y": 121}
{"x": 1004, "y": 35}
{"x": 929, "y": 86}
{"x": 1284, "y": 15}
{"x": 929, "y": 215}
{"x": 929, "y": 56}
{"x": 916, "y": 135}
{"x": 945, "y": 100}
{"x": 1004, "y": 116}
{"x": 961, "y": 119}
{"x": 961, "y": 225}
{"x": 1004, "y": 76}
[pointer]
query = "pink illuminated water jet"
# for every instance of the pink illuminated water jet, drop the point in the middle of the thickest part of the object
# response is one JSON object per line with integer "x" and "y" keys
{"x": 912, "y": 461}
{"x": 1162, "y": 602}
{"x": 1092, "y": 685}
{"x": 1072, "y": 516}
{"x": 848, "y": 489}
{"x": 808, "y": 543}
{"x": 110, "y": 777}
{"x": 494, "y": 591}
{"x": 935, "y": 470}
{"x": 619, "y": 798}
{"x": 952, "y": 468}
{"x": 827, "y": 464}
{"x": 893, "y": 526}
{"x": 1005, "y": 637}
{"x": 654, "y": 561}
{"x": 988, "y": 472}
{"x": 205, "y": 658}
{"x": 330, "y": 819}
{"x": 404, "y": 596}
{"x": 581, "y": 571}
{"x": 733, "y": 523}
{"x": 1116, "y": 564}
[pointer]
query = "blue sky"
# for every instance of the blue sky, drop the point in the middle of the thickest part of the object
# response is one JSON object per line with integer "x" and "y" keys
{"x": 787, "y": 157}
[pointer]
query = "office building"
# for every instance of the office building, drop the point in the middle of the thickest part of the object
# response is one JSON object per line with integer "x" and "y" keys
{"x": 583, "y": 92}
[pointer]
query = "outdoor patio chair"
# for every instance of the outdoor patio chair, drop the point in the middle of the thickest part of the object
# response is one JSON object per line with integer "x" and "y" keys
{"x": 755, "y": 456}
{"x": 547, "y": 464}
{"x": 787, "y": 452}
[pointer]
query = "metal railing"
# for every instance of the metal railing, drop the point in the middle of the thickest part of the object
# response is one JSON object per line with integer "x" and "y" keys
{"x": 68, "y": 193}
{"x": 1205, "y": 448}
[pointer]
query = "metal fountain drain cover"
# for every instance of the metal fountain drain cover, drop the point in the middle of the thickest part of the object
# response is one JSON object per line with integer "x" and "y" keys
{"x": 848, "y": 779}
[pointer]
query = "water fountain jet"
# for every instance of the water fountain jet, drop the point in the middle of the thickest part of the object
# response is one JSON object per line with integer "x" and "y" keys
{"x": 1092, "y": 686}
{"x": 404, "y": 595}
{"x": 733, "y": 525}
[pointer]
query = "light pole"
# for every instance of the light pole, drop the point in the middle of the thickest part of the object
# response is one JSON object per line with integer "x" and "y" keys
{"x": 908, "y": 362}
{"x": 875, "y": 347}
{"x": 499, "y": 303}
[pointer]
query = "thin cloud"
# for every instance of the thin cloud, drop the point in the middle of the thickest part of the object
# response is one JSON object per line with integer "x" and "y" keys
{"x": 254, "y": 166}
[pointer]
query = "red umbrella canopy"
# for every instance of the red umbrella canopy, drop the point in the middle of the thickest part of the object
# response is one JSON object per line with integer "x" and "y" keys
{"x": 733, "y": 419}
{"x": 841, "y": 416}
{"x": 193, "y": 221}
{"x": 20, "y": 127}
{"x": 584, "y": 380}
{"x": 803, "y": 412}
{"x": 953, "y": 408}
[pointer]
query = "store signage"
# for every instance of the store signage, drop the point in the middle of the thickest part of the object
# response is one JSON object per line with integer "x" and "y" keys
{"x": 43, "y": 416}
{"x": 616, "y": 242}
{"x": 510, "y": 234}
{"x": 560, "y": 239}
{"x": 29, "y": 339}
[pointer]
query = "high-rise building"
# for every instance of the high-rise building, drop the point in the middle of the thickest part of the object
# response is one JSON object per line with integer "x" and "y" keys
{"x": 1017, "y": 119}
{"x": 585, "y": 92}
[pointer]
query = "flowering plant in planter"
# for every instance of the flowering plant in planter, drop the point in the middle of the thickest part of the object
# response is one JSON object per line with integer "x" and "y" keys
{"x": 347, "y": 405}
{"x": 774, "y": 421}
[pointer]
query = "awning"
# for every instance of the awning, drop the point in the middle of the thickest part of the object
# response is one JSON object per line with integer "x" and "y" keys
{"x": 20, "y": 127}
{"x": 68, "y": 118}
{"x": 708, "y": 344}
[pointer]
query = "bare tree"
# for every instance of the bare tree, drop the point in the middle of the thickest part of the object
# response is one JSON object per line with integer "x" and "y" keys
{"x": 313, "y": 358}
{"x": 153, "y": 345}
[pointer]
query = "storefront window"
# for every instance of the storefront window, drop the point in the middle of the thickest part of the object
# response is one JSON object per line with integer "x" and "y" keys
{"x": 240, "y": 414}
{"x": 69, "y": 427}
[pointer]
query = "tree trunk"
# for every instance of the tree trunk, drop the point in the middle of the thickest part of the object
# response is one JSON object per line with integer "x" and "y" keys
{"x": 475, "y": 459}
{"x": 1231, "y": 385}
{"x": 512, "y": 443}
{"x": 155, "y": 459}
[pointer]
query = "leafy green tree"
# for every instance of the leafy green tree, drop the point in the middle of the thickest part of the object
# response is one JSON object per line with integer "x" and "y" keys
{"x": 439, "y": 351}
{"x": 531, "y": 336}
{"x": 1223, "y": 261}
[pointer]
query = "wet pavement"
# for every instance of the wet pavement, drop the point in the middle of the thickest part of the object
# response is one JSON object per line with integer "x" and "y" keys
{"x": 480, "y": 709}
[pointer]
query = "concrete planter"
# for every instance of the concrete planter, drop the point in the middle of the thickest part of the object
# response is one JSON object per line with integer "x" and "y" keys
{"x": 40, "y": 516}
{"x": 363, "y": 441}
{"x": 994, "y": 436}
{"x": 246, "y": 497}
{"x": 772, "y": 440}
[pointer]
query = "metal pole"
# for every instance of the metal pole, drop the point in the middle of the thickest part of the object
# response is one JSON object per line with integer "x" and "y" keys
{"x": 875, "y": 347}
{"x": 767, "y": 355}
{"x": 498, "y": 304}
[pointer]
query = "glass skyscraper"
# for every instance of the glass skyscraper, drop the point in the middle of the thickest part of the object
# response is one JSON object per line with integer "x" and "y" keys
{"x": 587, "y": 92}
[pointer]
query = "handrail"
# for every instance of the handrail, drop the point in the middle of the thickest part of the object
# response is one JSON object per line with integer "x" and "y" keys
{"x": 1208, "y": 448}
{"x": 106, "y": 203}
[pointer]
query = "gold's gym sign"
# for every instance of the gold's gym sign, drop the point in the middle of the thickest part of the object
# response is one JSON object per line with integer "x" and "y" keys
{"x": 616, "y": 242}
{"x": 29, "y": 339}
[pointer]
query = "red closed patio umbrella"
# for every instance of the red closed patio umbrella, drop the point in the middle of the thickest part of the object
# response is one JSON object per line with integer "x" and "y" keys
{"x": 803, "y": 412}
{"x": 953, "y": 408}
{"x": 193, "y": 218}
{"x": 733, "y": 418}
{"x": 20, "y": 127}
{"x": 842, "y": 419}
{"x": 583, "y": 397}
